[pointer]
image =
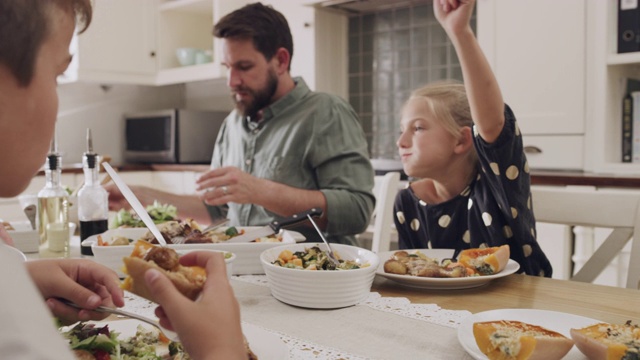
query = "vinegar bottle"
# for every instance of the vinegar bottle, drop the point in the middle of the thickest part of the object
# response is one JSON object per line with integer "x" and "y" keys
{"x": 53, "y": 207}
{"x": 93, "y": 199}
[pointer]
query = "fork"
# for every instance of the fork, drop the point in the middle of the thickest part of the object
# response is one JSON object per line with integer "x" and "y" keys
{"x": 454, "y": 257}
{"x": 331, "y": 255}
{"x": 179, "y": 240}
{"x": 215, "y": 226}
{"x": 103, "y": 309}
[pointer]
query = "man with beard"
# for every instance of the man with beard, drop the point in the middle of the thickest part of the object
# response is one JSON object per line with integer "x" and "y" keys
{"x": 284, "y": 149}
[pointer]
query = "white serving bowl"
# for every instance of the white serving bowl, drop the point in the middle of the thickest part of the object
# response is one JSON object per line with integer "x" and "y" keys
{"x": 247, "y": 254}
{"x": 320, "y": 289}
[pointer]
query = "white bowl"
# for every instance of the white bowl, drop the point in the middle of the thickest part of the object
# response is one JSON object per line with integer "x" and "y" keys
{"x": 321, "y": 289}
{"x": 247, "y": 254}
{"x": 186, "y": 56}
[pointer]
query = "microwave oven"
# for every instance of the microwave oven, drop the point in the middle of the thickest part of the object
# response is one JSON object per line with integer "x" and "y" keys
{"x": 171, "y": 136}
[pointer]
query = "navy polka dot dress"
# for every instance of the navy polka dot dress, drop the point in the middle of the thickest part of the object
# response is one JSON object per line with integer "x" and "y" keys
{"x": 495, "y": 209}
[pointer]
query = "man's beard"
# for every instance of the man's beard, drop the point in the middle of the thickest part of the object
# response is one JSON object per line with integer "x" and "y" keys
{"x": 261, "y": 97}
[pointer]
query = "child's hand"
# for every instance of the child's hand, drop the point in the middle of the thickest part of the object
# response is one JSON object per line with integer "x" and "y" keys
{"x": 453, "y": 15}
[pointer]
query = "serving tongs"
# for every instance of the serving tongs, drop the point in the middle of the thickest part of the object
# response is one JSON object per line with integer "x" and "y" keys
{"x": 107, "y": 310}
{"x": 135, "y": 203}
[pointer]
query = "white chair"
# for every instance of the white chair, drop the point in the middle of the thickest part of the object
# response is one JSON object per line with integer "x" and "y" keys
{"x": 589, "y": 207}
{"x": 385, "y": 190}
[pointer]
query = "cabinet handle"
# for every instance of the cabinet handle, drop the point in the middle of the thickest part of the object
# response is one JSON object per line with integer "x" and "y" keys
{"x": 152, "y": 54}
{"x": 530, "y": 149}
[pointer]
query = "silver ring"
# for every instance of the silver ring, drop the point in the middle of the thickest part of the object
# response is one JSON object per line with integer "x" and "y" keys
{"x": 225, "y": 190}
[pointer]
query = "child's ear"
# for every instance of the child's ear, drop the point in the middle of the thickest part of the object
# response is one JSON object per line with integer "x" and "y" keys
{"x": 465, "y": 140}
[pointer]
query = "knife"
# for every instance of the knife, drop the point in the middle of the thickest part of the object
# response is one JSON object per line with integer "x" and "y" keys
{"x": 275, "y": 226}
{"x": 135, "y": 203}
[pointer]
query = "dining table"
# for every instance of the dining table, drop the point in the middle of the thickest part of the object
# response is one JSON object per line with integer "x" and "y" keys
{"x": 396, "y": 321}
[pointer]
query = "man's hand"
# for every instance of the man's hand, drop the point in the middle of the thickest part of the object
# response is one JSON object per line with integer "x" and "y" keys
{"x": 228, "y": 184}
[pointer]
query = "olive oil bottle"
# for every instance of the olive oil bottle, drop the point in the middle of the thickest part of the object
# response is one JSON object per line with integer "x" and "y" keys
{"x": 53, "y": 210}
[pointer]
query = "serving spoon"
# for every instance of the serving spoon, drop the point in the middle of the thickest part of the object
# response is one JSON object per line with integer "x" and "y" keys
{"x": 332, "y": 257}
{"x": 107, "y": 310}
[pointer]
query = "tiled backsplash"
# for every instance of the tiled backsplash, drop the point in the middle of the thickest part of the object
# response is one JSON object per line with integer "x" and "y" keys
{"x": 391, "y": 53}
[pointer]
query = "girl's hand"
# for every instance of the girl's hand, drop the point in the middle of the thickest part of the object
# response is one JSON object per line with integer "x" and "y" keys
{"x": 454, "y": 15}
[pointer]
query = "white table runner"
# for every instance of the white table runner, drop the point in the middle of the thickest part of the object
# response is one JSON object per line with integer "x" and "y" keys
{"x": 377, "y": 328}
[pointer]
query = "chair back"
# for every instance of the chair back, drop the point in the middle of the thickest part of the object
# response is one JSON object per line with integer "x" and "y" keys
{"x": 606, "y": 208}
{"x": 385, "y": 190}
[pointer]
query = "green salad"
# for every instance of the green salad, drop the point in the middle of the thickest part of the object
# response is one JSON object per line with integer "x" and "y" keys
{"x": 158, "y": 212}
{"x": 104, "y": 344}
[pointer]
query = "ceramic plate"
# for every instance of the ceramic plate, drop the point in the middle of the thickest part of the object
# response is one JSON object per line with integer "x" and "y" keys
{"x": 441, "y": 283}
{"x": 264, "y": 344}
{"x": 552, "y": 320}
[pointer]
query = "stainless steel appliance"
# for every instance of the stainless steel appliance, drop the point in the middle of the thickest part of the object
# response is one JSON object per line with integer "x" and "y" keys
{"x": 171, "y": 136}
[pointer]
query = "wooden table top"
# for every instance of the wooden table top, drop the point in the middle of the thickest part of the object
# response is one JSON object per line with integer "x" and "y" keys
{"x": 605, "y": 303}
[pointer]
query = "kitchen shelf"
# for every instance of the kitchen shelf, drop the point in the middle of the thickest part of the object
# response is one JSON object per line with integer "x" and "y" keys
{"x": 188, "y": 6}
{"x": 632, "y": 58}
{"x": 188, "y": 73}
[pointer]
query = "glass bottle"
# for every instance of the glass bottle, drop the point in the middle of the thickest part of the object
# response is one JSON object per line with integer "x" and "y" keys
{"x": 93, "y": 199}
{"x": 53, "y": 210}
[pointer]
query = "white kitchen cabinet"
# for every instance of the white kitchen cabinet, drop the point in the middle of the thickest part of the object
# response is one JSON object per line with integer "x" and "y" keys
{"x": 540, "y": 65}
{"x": 135, "y": 41}
{"x": 320, "y": 45}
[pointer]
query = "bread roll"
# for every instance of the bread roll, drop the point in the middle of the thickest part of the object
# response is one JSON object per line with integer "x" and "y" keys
{"x": 189, "y": 280}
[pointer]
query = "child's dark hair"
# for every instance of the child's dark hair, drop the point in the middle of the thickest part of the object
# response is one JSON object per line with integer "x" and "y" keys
{"x": 266, "y": 27}
{"x": 25, "y": 25}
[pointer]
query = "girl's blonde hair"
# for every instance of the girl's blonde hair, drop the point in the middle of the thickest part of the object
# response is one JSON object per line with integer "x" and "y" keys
{"x": 448, "y": 102}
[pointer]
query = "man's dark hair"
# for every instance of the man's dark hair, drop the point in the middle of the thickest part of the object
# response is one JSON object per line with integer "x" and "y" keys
{"x": 265, "y": 26}
{"x": 25, "y": 25}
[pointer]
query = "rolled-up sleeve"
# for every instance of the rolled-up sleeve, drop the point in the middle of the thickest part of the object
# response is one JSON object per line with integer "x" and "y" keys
{"x": 344, "y": 173}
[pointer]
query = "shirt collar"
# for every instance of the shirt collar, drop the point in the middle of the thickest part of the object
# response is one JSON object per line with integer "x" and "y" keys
{"x": 299, "y": 91}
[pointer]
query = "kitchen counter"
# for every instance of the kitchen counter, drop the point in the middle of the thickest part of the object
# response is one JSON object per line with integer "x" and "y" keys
{"x": 538, "y": 177}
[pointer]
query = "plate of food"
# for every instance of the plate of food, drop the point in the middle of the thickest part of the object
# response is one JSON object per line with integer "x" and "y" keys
{"x": 550, "y": 328}
{"x": 137, "y": 340}
{"x": 423, "y": 268}
{"x": 111, "y": 246}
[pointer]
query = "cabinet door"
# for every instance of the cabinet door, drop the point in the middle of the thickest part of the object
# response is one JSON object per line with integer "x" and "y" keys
{"x": 120, "y": 39}
{"x": 537, "y": 50}
{"x": 320, "y": 45}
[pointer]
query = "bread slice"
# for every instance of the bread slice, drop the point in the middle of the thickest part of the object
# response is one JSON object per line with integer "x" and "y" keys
{"x": 516, "y": 340}
{"x": 189, "y": 280}
{"x": 608, "y": 341}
